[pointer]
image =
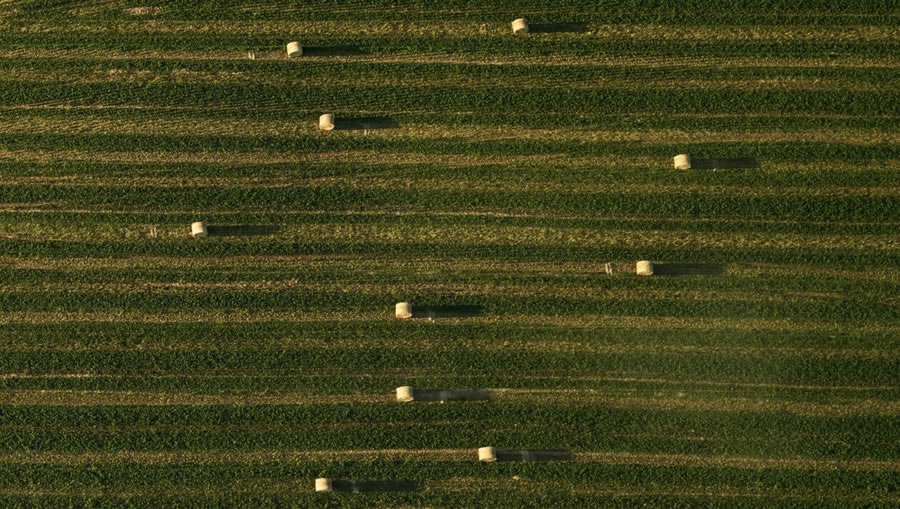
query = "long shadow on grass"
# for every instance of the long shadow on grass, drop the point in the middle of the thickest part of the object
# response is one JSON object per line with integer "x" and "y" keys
{"x": 688, "y": 269}
{"x": 346, "y": 124}
{"x": 448, "y": 311}
{"x": 557, "y": 28}
{"x": 352, "y": 486}
{"x": 244, "y": 230}
{"x": 724, "y": 164}
{"x": 332, "y": 51}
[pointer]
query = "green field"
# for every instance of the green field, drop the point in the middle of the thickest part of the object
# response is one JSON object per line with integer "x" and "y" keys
{"x": 142, "y": 367}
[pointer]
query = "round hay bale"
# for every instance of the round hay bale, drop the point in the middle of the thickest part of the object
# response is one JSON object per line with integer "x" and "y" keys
{"x": 198, "y": 229}
{"x": 520, "y": 26}
{"x": 403, "y": 310}
{"x": 487, "y": 454}
{"x": 405, "y": 393}
{"x": 326, "y": 122}
{"x": 323, "y": 484}
{"x": 294, "y": 49}
{"x": 682, "y": 162}
{"x": 644, "y": 268}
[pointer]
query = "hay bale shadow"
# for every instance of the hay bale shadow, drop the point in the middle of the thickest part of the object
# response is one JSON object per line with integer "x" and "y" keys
{"x": 558, "y": 28}
{"x": 347, "y": 124}
{"x": 369, "y": 486}
{"x": 450, "y": 395}
{"x": 688, "y": 269}
{"x": 243, "y": 230}
{"x": 724, "y": 164}
{"x": 332, "y": 51}
{"x": 533, "y": 454}
{"x": 452, "y": 311}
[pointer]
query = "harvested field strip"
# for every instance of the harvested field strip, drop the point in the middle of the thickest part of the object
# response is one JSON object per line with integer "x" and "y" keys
{"x": 275, "y": 267}
{"x": 767, "y": 367}
{"x": 507, "y": 183}
{"x": 282, "y": 456}
{"x": 52, "y": 216}
{"x": 431, "y": 58}
{"x": 140, "y": 68}
{"x": 850, "y": 211}
{"x": 657, "y": 154}
{"x": 586, "y": 290}
{"x": 71, "y": 398}
{"x": 384, "y": 379}
{"x": 687, "y": 80}
{"x": 302, "y": 342}
{"x": 365, "y": 96}
{"x": 786, "y": 33}
{"x": 272, "y": 163}
{"x": 428, "y": 133}
{"x": 493, "y": 235}
{"x": 388, "y": 44}
{"x": 574, "y": 321}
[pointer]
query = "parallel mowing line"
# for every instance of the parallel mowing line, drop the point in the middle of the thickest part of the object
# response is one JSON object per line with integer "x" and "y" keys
{"x": 586, "y": 290}
{"x": 412, "y": 375}
{"x": 443, "y": 58}
{"x": 467, "y": 29}
{"x": 619, "y": 491}
{"x": 657, "y": 82}
{"x": 679, "y": 401}
{"x": 429, "y": 132}
{"x": 577, "y": 321}
{"x": 499, "y": 182}
{"x": 291, "y": 488}
{"x": 559, "y": 346}
{"x": 168, "y": 110}
{"x": 356, "y": 265}
{"x": 295, "y": 456}
{"x": 479, "y": 235}
{"x": 370, "y": 158}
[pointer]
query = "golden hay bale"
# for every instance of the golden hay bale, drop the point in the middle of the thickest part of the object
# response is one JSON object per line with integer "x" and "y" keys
{"x": 294, "y": 49}
{"x": 142, "y": 11}
{"x": 323, "y": 484}
{"x": 644, "y": 268}
{"x": 487, "y": 454}
{"x": 198, "y": 229}
{"x": 403, "y": 310}
{"x": 682, "y": 162}
{"x": 405, "y": 393}
{"x": 326, "y": 122}
{"x": 519, "y": 26}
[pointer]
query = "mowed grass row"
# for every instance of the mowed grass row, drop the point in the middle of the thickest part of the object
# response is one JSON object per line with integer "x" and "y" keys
{"x": 867, "y": 360}
{"x": 384, "y": 40}
{"x": 363, "y": 97}
{"x": 455, "y": 486}
{"x": 776, "y": 433}
{"x": 694, "y": 13}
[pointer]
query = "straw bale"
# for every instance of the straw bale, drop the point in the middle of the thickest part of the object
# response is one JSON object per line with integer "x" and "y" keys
{"x": 198, "y": 229}
{"x": 323, "y": 484}
{"x": 142, "y": 11}
{"x": 487, "y": 454}
{"x": 644, "y": 268}
{"x": 294, "y": 49}
{"x": 403, "y": 310}
{"x": 405, "y": 393}
{"x": 326, "y": 122}
{"x": 519, "y": 26}
{"x": 682, "y": 162}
